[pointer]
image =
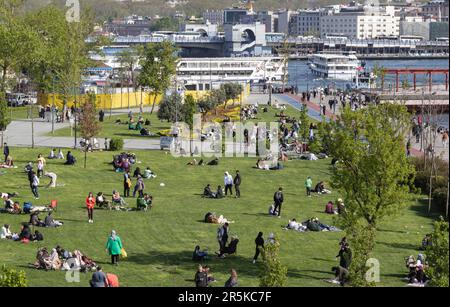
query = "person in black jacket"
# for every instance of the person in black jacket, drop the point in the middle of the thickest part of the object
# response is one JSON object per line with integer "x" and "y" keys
{"x": 201, "y": 278}
{"x": 278, "y": 199}
{"x": 237, "y": 184}
{"x": 259, "y": 241}
{"x": 5, "y": 151}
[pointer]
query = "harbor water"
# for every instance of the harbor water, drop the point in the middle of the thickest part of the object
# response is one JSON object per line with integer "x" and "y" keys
{"x": 300, "y": 74}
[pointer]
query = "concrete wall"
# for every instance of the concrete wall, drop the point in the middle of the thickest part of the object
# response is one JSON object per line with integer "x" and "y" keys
{"x": 438, "y": 29}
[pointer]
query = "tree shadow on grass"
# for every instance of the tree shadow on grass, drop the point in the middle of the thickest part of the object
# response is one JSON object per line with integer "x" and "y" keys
{"x": 183, "y": 260}
{"x": 408, "y": 246}
{"x": 294, "y": 273}
{"x": 421, "y": 209}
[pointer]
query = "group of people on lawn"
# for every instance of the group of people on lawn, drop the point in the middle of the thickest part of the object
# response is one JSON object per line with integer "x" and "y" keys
{"x": 229, "y": 181}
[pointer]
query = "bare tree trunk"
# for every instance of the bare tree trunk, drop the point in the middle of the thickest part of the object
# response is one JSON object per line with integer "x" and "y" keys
{"x": 85, "y": 155}
{"x": 154, "y": 102}
{"x": 446, "y": 207}
{"x": 431, "y": 187}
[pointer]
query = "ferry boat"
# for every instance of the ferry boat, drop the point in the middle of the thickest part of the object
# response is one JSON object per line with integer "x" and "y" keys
{"x": 335, "y": 66}
{"x": 206, "y": 73}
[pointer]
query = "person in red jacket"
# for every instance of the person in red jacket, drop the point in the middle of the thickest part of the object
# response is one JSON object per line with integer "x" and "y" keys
{"x": 90, "y": 203}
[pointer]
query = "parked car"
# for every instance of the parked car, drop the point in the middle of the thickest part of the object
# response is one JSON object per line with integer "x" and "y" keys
{"x": 19, "y": 99}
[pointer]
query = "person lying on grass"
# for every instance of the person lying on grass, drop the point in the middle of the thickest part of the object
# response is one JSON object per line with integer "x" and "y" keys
{"x": 214, "y": 219}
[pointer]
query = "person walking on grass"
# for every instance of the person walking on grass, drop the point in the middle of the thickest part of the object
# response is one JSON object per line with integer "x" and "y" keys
{"x": 222, "y": 236}
{"x": 126, "y": 184}
{"x": 139, "y": 187}
{"x": 90, "y": 203}
{"x": 259, "y": 241}
{"x": 34, "y": 185}
{"x": 114, "y": 247}
{"x": 237, "y": 184}
{"x": 308, "y": 185}
{"x": 40, "y": 165}
{"x": 278, "y": 199}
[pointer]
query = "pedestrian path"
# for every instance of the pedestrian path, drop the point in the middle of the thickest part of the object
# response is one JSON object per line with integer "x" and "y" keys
{"x": 19, "y": 134}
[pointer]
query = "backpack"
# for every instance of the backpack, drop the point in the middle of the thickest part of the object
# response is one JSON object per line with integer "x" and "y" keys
{"x": 27, "y": 207}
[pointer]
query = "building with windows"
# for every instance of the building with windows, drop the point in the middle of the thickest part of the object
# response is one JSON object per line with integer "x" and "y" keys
{"x": 437, "y": 9}
{"x": 213, "y": 16}
{"x": 307, "y": 22}
{"x": 362, "y": 22}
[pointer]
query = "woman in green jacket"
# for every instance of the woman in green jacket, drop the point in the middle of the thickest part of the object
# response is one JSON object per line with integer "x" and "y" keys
{"x": 114, "y": 247}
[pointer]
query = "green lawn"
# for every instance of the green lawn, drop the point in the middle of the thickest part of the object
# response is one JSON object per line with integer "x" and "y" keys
{"x": 17, "y": 113}
{"x": 110, "y": 129}
{"x": 160, "y": 242}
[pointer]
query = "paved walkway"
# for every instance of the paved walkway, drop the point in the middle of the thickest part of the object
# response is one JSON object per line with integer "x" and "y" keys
{"x": 19, "y": 134}
{"x": 314, "y": 112}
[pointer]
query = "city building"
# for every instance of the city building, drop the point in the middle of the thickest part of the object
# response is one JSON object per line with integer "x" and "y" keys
{"x": 213, "y": 16}
{"x": 307, "y": 22}
{"x": 437, "y": 9}
{"x": 361, "y": 22}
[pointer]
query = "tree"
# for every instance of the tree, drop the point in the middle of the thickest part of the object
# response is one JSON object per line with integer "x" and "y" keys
{"x": 128, "y": 62}
{"x": 274, "y": 273}
{"x": 4, "y": 118}
{"x": 12, "y": 278}
{"x": 170, "y": 108}
{"x": 63, "y": 50}
{"x": 304, "y": 123}
{"x": 158, "y": 62}
{"x": 188, "y": 110}
{"x": 438, "y": 255}
{"x": 373, "y": 174}
{"x": 89, "y": 125}
{"x": 232, "y": 91}
{"x": 166, "y": 24}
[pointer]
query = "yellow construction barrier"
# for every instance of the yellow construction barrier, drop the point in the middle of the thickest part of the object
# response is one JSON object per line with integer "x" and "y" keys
{"x": 121, "y": 100}
{"x": 103, "y": 101}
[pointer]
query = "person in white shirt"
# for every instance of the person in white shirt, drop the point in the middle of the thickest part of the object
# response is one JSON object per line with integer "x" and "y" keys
{"x": 228, "y": 181}
{"x": 6, "y": 233}
{"x": 60, "y": 154}
{"x": 53, "y": 178}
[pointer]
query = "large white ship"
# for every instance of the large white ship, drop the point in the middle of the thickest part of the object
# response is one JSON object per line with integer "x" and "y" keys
{"x": 335, "y": 66}
{"x": 204, "y": 73}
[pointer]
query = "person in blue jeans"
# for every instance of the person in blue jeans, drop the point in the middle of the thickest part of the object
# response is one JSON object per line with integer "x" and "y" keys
{"x": 34, "y": 186}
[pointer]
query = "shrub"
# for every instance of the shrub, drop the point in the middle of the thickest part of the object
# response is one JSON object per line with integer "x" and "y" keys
{"x": 116, "y": 144}
{"x": 12, "y": 278}
{"x": 274, "y": 273}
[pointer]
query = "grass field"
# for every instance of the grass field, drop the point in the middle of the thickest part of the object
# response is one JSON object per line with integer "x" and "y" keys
{"x": 160, "y": 242}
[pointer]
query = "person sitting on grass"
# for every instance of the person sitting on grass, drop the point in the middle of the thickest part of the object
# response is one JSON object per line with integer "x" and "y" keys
{"x": 60, "y": 154}
{"x": 37, "y": 236}
{"x": 426, "y": 242}
{"x": 340, "y": 206}
{"x": 329, "y": 209}
{"x": 219, "y": 193}
{"x": 199, "y": 255}
{"x": 52, "y": 154}
{"x": 231, "y": 248}
{"x": 341, "y": 275}
{"x": 148, "y": 173}
{"x": 137, "y": 172}
{"x": 144, "y": 203}
{"x": 35, "y": 220}
{"x": 118, "y": 200}
{"x": 70, "y": 159}
{"x": 50, "y": 222}
{"x": 25, "y": 233}
{"x": 6, "y": 232}
{"x": 138, "y": 126}
{"x": 320, "y": 188}
{"x": 101, "y": 201}
{"x": 208, "y": 193}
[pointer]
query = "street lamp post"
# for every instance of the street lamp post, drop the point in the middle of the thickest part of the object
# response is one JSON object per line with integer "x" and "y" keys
{"x": 75, "y": 118}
